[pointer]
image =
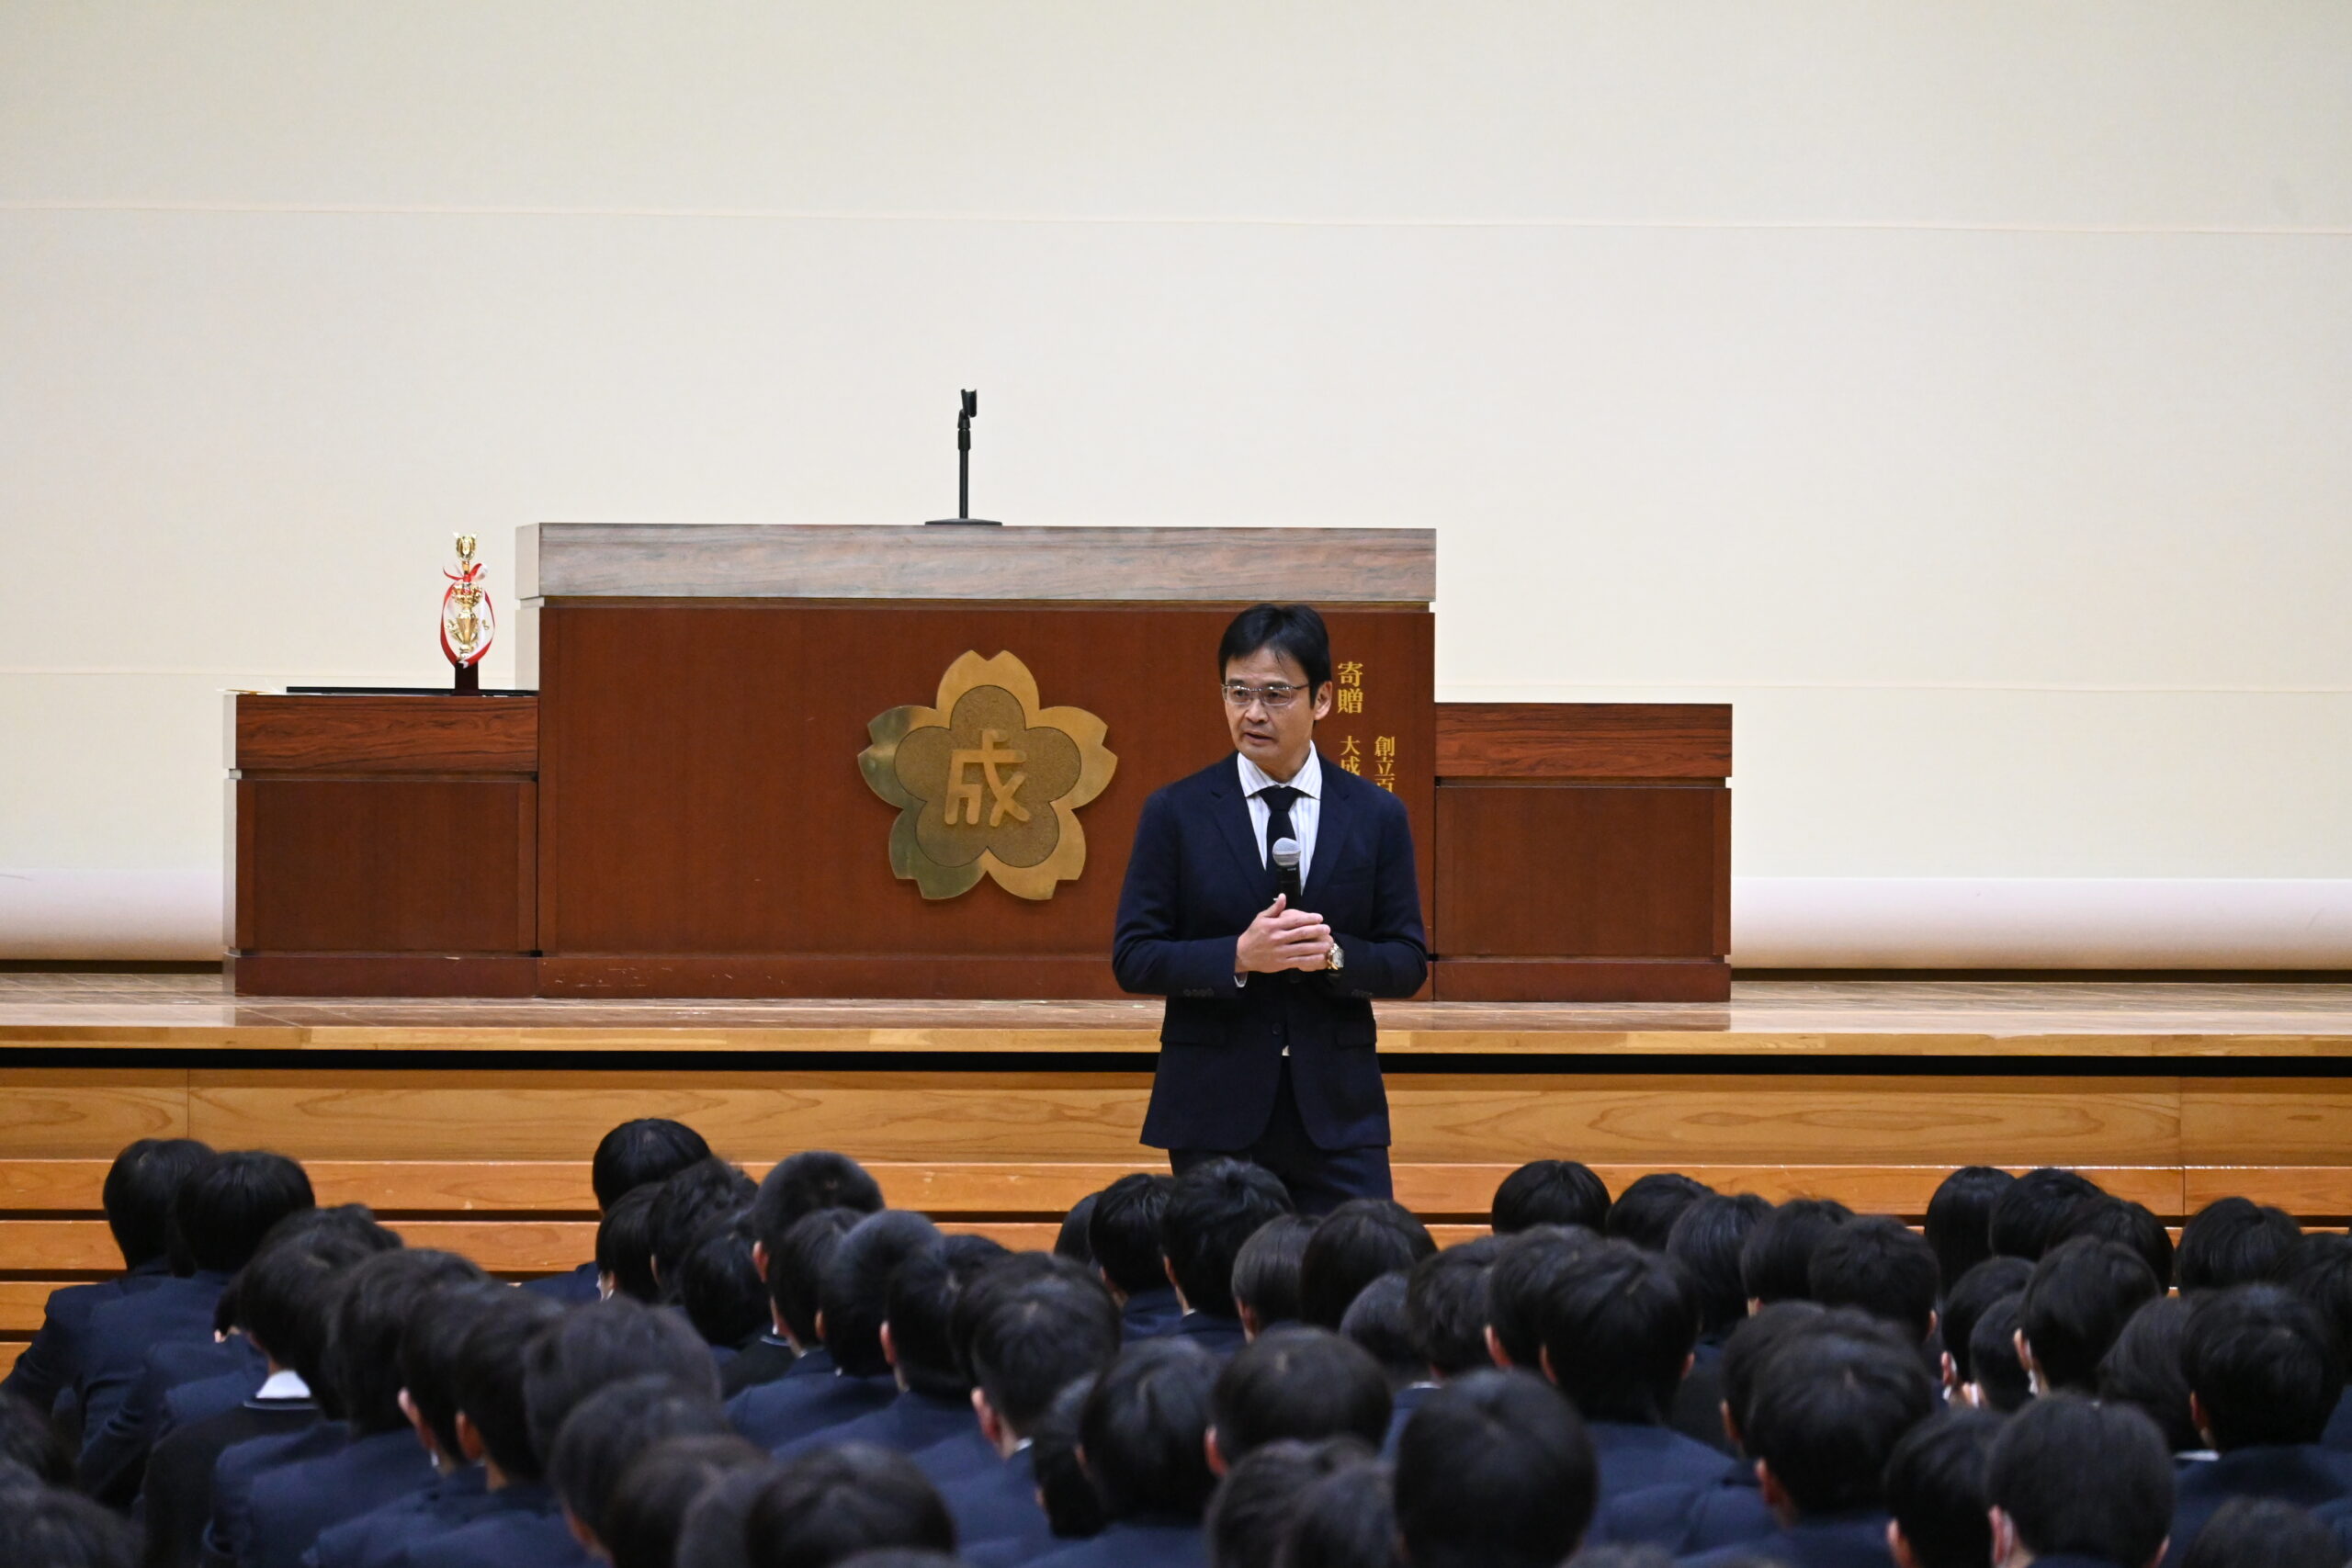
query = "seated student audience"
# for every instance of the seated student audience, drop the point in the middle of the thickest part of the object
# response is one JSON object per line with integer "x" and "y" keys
{"x": 2144, "y": 1368}
{"x": 1998, "y": 1379}
{"x": 722, "y": 1294}
{"x": 793, "y": 1264}
{"x": 641, "y": 1153}
{"x": 1446, "y": 1313}
{"x": 2234, "y": 1241}
{"x": 684, "y": 1205}
{"x": 2116, "y": 1219}
{"x": 1524, "y": 1269}
{"x": 55, "y": 1528}
{"x": 609, "y": 1431}
{"x": 1251, "y": 1510}
{"x": 1266, "y": 1284}
{"x": 1934, "y": 1490}
{"x": 1960, "y": 1218}
{"x": 1965, "y": 1301}
{"x": 2081, "y": 1295}
{"x": 1494, "y": 1471}
{"x": 816, "y": 1181}
{"x": 1123, "y": 1234}
{"x": 1211, "y": 1210}
{"x": 1295, "y": 1382}
{"x": 1706, "y": 1241}
{"x": 2027, "y": 1214}
{"x": 1776, "y": 1260}
{"x": 1143, "y": 1442}
{"x": 1355, "y": 1245}
{"x": 2075, "y": 1483}
{"x": 646, "y": 1510}
{"x": 1375, "y": 1320}
{"x": 715, "y": 1532}
{"x": 1346, "y": 1519}
{"x": 825, "y": 1506}
{"x": 624, "y": 1247}
{"x": 1549, "y": 1192}
{"x": 1073, "y": 1509}
{"x": 1881, "y": 1267}
{"x": 853, "y": 1299}
{"x": 1644, "y": 1212}
{"x": 1071, "y": 1240}
{"x": 2321, "y": 1272}
{"x": 2262, "y": 1532}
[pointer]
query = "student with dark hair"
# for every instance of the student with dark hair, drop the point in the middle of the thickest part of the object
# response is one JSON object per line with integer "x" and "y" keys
{"x": 2235, "y": 1241}
{"x": 45, "y": 1528}
{"x": 793, "y": 1267}
{"x": 723, "y": 1296}
{"x": 642, "y": 1153}
{"x": 1965, "y": 1300}
{"x": 2111, "y": 1218}
{"x": 492, "y": 1424}
{"x": 2081, "y": 1295}
{"x": 1071, "y": 1241}
{"x": 1266, "y": 1272}
{"x": 813, "y": 1182}
{"x": 853, "y": 1299}
{"x": 1524, "y": 1267}
{"x": 2264, "y": 1373}
{"x": 1355, "y": 1245}
{"x": 1066, "y": 1494}
{"x": 1644, "y": 1212}
{"x": 2321, "y": 1272}
{"x": 30, "y": 1446}
{"x": 2262, "y": 1532}
{"x": 1960, "y": 1218}
{"x": 1617, "y": 1325}
{"x": 1445, "y": 1307}
{"x": 1211, "y": 1210}
{"x": 1935, "y": 1489}
{"x": 1346, "y": 1519}
{"x": 1706, "y": 1241}
{"x": 624, "y": 1247}
{"x": 2144, "y": 1368}
{"x": 828, "y": 1505}
{"x": 2075, "y": 1481}
{"x": 608, "y": 1432}
{"x": 1998, "y": 1379}
{"x": 1549, "y": 1192}
{"x": 645, "y": 1514}
{"x": 1375, "y": 1321}
{"x": 1776, "y": 1260}
{"x": 1123, "y": 1234}
{"x": 1143, "y": 1440}
{"x": 1296, "y": 1381}
{"x": 716, "y": 1530}
{"x": 2027, "y": 1214}
{"x": 1261, "y": 1494}
{"x": 1494, "y": 1471}
{"x": 684, "y": 1204}
{"x": 799, "y": 1185}
{"x": 1882, "y": 1266}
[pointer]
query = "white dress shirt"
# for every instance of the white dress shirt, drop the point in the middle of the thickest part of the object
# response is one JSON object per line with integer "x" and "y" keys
{"x": 1305, "y": 812}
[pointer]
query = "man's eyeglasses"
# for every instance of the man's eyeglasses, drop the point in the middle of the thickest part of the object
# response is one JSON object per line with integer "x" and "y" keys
{"x": 1238, "y": 694}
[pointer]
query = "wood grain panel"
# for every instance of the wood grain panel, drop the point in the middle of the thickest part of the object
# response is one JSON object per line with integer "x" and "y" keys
{"x": 2305, "y": 1190}
{"x": 1578, "y": 871}
{"x": 968, "y": 976}
{"x": 1584, "y": 740}
{"x": 367, "y": 734}
{"x": 67, "y": 1246}
{"x": 9, "y": 1350}
{"x": 431, "y": 974}
{"x": 24, "y": 1304}
{"x": 2290, "y": 1122}
{"x": 66, "y": 1113}
{"x": 1582, "y": 980}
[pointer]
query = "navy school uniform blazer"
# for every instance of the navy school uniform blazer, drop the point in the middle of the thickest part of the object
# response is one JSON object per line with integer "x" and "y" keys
{"x": 1851, "y": 1540}
{"x": 178, "y": 1500}
{"x": 777, "y": 1415}
{"x": 1635, "y": 1458}
{"x": 575, "y": 1287}
{"x": 228, "y": 1539}
{"x": 1149, "y": 1542}
{"x": 1195, "y": 883}
{"x": 2305, "y": 1474}
{"x": 293, "y": 1504}
{"x": 908, "y": 1425}
{"x": 523, "y": 1529}
{"x": 53, "y": 1364}
{"x": 378, "y": 1539}
{"x": 996, "y": 1513}
{"x": 122, "y": 1334}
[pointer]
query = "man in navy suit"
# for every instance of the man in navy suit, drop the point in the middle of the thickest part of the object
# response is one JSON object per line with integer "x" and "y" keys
{"x": 1267, "y": 1042}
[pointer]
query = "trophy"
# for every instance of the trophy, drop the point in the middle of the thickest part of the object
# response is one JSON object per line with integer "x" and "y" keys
{"x": 467, "y": 622}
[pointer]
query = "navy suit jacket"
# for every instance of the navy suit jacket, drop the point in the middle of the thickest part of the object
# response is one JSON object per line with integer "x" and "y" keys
{"x": 377, "y": 1539}
{"x": 2305, "y": 1474}
{"x": 777, "y": 1415}
{"x": 577, "y": 1288}
{"x": 1400, "y": 1410}
{"x": 996, "y": 1513}
{"x": 1148, "y": 1315}
{"x": 177, "y": 1499}
{"x": 53, "y": 1364}
{"x": 908, "y": 1425}
{"x": 1635, "y": 1459}
{"x": 1220, "y": 1335}
{"x": 1683, "y": 1518}
{"x": 292, "y": 1504}
{"x": 1855, "y": 1540}
{"x": 523, "y": 1529}
{"x": 1195, "y": 883}
{"x": 1136, "y": 1543}
{"x": 228, "y": 1539}
{"x": 120, "y": 1335}
{"x": 764, "y": 1360}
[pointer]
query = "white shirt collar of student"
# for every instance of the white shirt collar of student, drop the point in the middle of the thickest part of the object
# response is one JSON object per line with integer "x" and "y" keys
{"x": 1307, "y": 780}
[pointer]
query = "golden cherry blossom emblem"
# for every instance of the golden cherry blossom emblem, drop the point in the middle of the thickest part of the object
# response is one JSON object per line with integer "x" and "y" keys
{"x": 987, "y": 782}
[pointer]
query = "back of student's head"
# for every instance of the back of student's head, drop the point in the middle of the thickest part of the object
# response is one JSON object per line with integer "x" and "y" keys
{"x": 606, "y": 1343}
{"x": 1966, "y": 1298}
{"x": 1073, "y": 1507}
{"x": 705, "y": 1191}
{"x": 1960, "y": 1218}
{"x": 645, "y": 1513}
{"x": 1445, "y": 1306}
{"x": 854, "y": 1292}
{"x": 624, "y": 1244}
{"x": 1377, "y": 1321}
{"x": 2111, "y": 1218}
{"x": 427, "y": 1362}
{"x": 1035, "y": 1337}
{"x": 2262, "y": 1532}
{"x": 32, "y": 1444}
{"x": 1267, "y": 1283}
{"x": 797, "y": 1263}
{"x": 2262, "y": 1365}
{"x": 490, "y": 1378}
{"x": 1751, "y": 1346}
{"x": 1776, "y": 1260}
{"x": 1618, "y": 1327}
{"x": 1299, "y": 1381}
{"x": 798, "y": 1185}
{"x": 1211, "y": 1210}
{"x": 1827, "y": 1415}
{"x": 829, "y": 1504}
{"x": 1356, "y": 1243}
{"x": 283, "y": 1297}
{"x": 1493, "y": 1470}
{"x": 380, "y": 1302}
{"x": 1993, "y": 1364}
{"x": 719, "y": 1286}
{"x": 222, "y": 1209}
{"x": 1524, "y": 1267}
{"x": 640, "y": 1152}
{"x": 2072, "y": 1476}
{"x": 1549, "y": 1192}
{"x": 918, "y": 1310}
{"x": 1123, "y": 1233}
{"x": 1935, "y": 1488}
{"x": 2144, "y": 1368}
{"x": 1261, "y": 1493}
{"x": 2081, "y": 1295}
{"x": 716, "y": 1530}
{"x": 138, "y": 1194}
{"x": 2234, "y": 1241}
{"x": 1705, "y": 1240}
{"x": 2321, "y": 1272}
{"x": 608, "y": 1430}
{"x": 2027, "y": 1214}
{"x": 48, "y": 1528}
{"x": 1882, "y": 1266}
{"x": 1346, "y": 1519}
{"x": 1071, "y": 1240}
{"x": 1142, "y": 1429}
{"x": 1644, "y": 1212}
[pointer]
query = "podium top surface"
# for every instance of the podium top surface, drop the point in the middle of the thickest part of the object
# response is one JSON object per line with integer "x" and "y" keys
{"x": 776, "y": 560}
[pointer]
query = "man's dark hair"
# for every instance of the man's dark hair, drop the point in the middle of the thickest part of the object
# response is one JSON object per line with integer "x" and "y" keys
{"x": 1298, "y": 1381}
{"x": 138, "y": 1194}
{"x": 611, "y": 1428}
{"x": 429, "y": 1357}
{"x": 2027, "y": 1214}
{"x": 703, "y": 1193}
{"x": 1071, "y": 1241}
{"x": 796, "y": 1267}
{"x": 1882, "y": 1266}
{"x": 1618, "y": 1327}
{"x": 606, "y": 1343}
{"x": 379, "y": 1303}
{"x": 1525, "y": 1266}
{"x": 624, "y": 1244}
{"x": 1261, "y": 1493}
{"x": 1073, "y": 1507}
{"x": 1776, "y": 1260}
{"x": 719, "y": 1286}
{"x": 1445, "y": 1306}
{"x": 1549, "y": 1192}
{"x": 1993, "y": 1364}
{"x": 1828, "y": 1410}
{"x": 2111, "y": 1218}
{"x": 646, "y": 1512}
{"x": 1211, "y": 1210}
{"x": 2262, "y": 1532}
{"x": 1494, "y": 1471}
{"x": 221, "y": 1210}
{"x": 640, "y": 1152}
{"x": 855, "y": 1291}
{"x": 832, "y": 1503}
{"x": 2142, "y": 1368}
{"x": 1346, "y": 1519}
{"x": 2321, "y": 1272}
{"x": 31, "y": 1443}
{"x": 1376, "y": 1320}
{"x": 1960, "y": 1218}
{"x": 2235, "y": 1241}
{"x": 56, "y": 1529}
{"x": 489, "y": 1377}
{"x": 1753, "y": 1344}
{"x": 1935, "y": 1488}
{"x": 2081, "y": 1295}
{"x": 1034, "y": 1338}
{"x": 285, "y": 1295}
{"x": 799, "y": 1185}
{"x": 1705, "y": 1240}
{"x": 1644, "y": 1212}
{"x": 920, "y": 1309}
{"x": 2263, "y": 1366}
{"x": 1965, "y": 1300}
{"x": 1266, "y": 1271}
{"x": 1291, "y": 631}
{"x": 1142, "y": 1426}
{"x": 1123, "y": 1233}
{"x": 712, "y": 1534}
{"x": 2075, "y": 1476}
{"x": 1356, "y": 1244}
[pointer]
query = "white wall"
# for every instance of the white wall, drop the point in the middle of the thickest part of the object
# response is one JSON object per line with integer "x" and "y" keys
{"x": 1960, "y": 389}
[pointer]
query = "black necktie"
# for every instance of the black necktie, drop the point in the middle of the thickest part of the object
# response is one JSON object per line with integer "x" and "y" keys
{"x": 1278, "y": 798}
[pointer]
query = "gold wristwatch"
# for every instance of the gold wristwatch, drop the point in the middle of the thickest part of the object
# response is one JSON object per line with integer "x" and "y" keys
{"x": 1334, "y": 961}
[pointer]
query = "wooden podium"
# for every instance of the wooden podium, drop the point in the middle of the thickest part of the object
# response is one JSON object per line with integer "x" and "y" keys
{"x": 681, "y": 812}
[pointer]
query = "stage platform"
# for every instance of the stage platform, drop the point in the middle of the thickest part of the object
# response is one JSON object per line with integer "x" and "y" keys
{"x": 469, "y": 1124}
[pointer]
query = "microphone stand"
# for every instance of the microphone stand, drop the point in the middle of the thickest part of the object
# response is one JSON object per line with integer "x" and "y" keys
{"x": 968, "y": 412}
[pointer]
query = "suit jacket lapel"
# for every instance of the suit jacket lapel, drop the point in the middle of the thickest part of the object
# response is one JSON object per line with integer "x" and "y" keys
{"x": 1332, "y": 828}
{"x": 1240, "y": 834}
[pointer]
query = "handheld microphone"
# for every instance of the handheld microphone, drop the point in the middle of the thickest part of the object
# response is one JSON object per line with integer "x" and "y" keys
{"x": 1285, "y": 853}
